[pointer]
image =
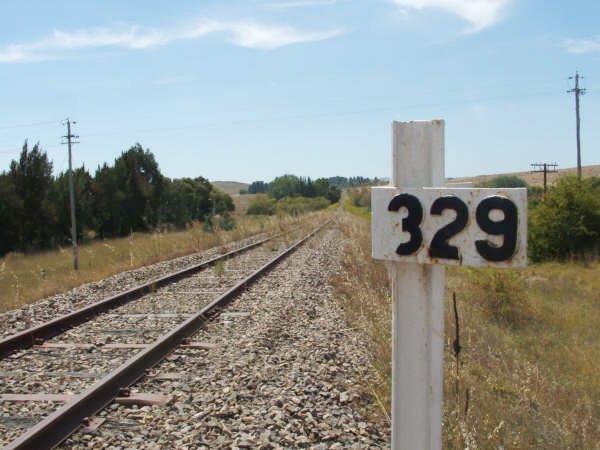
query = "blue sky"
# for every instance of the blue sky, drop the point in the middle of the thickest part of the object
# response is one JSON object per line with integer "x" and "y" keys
{"x": 248, "y": 90}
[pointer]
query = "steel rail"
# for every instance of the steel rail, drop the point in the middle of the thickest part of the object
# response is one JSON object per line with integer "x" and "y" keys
{"x": 59, "y": 425}
{"x": 39, "y": 333}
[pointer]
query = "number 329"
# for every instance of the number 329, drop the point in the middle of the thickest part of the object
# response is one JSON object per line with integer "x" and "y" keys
{"x": 439, "y": 247}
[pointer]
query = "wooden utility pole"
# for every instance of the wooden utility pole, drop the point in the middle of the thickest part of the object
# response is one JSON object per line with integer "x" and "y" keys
{"x": 70, "y": 141}
{"x": 578, "y": 91}
{"x": 544, "y": 167}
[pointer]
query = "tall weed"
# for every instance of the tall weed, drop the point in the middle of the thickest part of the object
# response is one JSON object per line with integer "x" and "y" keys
{"x": 25, "y": 278}
{"x": 527, "y": 374}
{"x": 502, "y": 295}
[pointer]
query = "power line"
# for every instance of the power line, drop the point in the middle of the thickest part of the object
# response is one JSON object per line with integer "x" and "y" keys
{"x": 317, "y": 115}
{"x": 346, "y": 99}
{"x": 578, "y": 91}
{"x": 296, "y": 116}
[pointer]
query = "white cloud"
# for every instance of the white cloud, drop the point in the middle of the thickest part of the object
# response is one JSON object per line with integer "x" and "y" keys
{"x": 479, "y": 13}
{"x": 580, "y": 46}
{"x": 256, "y": 36}
{"x": 245, "y": 34}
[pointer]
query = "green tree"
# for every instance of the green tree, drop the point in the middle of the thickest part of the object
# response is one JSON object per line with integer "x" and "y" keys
{"x": 566, "y": 223}
{"x": 10, "y": 204}
{"x": 139, "y": 180}
{"x": 31, "y": 178}
{"x": 131, "y": 193}
{"x": 342, "y": 182}
{"x": 285, "y": 186}
{"x": 307, "y": 188}
{"x": 186, "y": 200}
{"x": 108, "y": 202}
{"x": 257, "y": 187}
{"x": 223, "y": 202}
{"x": 323, "y": 188}
{"x": 86, "y": 208}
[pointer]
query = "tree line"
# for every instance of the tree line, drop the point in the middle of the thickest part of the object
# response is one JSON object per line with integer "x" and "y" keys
{"x": 261, "y": 187}
{"x": 294, "y": 186}
{"x": 130, "y": 195}
{"x": 343, "y": 182}
{"x": 293, "y": 195}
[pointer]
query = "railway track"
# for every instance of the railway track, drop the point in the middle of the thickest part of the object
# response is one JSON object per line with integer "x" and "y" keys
{"x": 86, "y": 360}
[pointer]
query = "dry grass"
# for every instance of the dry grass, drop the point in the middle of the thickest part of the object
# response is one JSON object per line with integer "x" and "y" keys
{"x": 242, "y": 202}
{"x": 26, "y": 278}
{"x": 530, "y": 358}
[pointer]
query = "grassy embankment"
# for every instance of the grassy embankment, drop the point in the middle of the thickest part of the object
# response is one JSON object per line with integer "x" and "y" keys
{"x": 26, "y": 278}
{"x": 528, "y": 374}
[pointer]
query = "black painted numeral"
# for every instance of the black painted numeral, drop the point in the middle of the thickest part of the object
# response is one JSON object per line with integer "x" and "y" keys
{"x": 410, "y": 223}
{"x": 507, "y": 227}
{"x": 439, "y": 247}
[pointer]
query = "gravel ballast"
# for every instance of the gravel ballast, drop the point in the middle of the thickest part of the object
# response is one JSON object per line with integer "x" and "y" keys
{"x": 44, "y": 310}
{"x": 284, "y": 376}
{"x": 284, "y": 370}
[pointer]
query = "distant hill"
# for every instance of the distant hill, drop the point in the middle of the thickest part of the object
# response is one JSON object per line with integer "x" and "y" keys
{"x": 231, "y": 187}
{"x": 533, "y": 178}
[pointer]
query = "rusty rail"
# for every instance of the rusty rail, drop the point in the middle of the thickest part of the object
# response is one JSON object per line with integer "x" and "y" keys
{"x": 39, "y": 333}
{"x": 59, "y": 425}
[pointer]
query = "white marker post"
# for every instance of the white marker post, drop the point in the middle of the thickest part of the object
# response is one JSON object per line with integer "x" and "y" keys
{"x": 418, "y": 225}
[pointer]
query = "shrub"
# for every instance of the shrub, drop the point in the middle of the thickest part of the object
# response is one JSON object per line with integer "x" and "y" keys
{"x": 262, "y": 206}
{"x": 299, "y": 205}
{"x": 288, "y": 205}
{"x": 504, "y": 181}
{"x": 566, "y": 224}
{"x": 360, "y": 197}
{"x": 503, "y": 296}
{"x": 227, "y": 222}
{"x": 534, "y": 196}
{"x": 219, "y": 268}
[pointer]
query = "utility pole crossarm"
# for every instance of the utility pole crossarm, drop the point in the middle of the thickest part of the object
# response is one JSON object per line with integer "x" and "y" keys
{"x": 545, "y": 168}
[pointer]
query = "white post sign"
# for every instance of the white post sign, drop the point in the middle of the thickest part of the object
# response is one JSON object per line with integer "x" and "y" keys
{"x": 418, "y": 225}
